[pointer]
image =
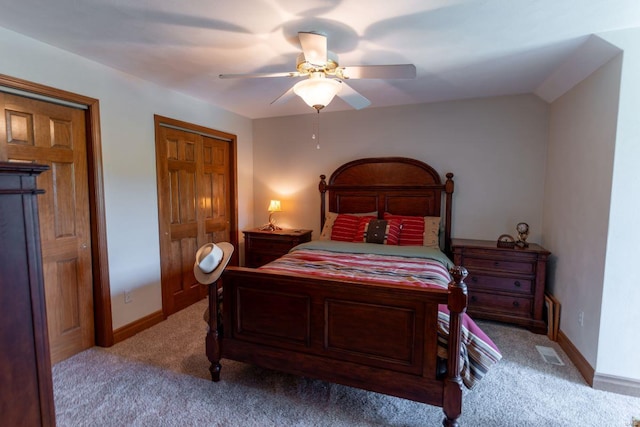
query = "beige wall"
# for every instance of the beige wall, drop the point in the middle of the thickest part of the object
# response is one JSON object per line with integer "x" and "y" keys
{"x": 577, "y": 198}
{"x": 496, "y": 148}
{"x": 127, "y": 106}
{"x": 617, "y": 352}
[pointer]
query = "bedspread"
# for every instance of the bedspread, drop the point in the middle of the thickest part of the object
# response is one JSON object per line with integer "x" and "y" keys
{"x": 400, "y": 265}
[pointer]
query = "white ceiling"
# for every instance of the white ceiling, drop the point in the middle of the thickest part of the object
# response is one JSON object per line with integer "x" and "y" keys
{"x": 461, "y": 48}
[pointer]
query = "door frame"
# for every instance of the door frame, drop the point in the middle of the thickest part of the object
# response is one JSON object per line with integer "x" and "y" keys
{"x": 103, "y": 324}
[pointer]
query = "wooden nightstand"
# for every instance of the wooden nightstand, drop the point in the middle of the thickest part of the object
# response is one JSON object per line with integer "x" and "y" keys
{"x": 506, "y": 285}
{"x": 262, "y": 247}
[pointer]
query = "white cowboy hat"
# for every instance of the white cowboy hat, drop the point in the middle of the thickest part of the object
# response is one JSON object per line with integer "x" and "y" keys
{"x": 211, "y": 259}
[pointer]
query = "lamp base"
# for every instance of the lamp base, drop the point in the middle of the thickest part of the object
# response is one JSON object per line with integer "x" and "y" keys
{"x": 270, "y": 227}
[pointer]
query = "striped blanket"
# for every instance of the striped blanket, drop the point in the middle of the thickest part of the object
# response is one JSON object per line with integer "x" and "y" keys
{"x": 412, "y": 265}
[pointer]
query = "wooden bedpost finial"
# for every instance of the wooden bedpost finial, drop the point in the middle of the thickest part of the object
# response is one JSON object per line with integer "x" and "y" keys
{"x": 448, "y": 185}
{"x": 459, "y": 273}
{"x": 323, "y": 184}
{"x": 458, "y": 296}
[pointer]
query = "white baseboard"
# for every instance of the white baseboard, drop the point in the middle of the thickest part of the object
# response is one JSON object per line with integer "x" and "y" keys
{"x": 616, "y": 384}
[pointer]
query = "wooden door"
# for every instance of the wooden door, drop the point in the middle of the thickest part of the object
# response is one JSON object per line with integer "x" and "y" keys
{"x": 196, "y": 197}
{"x": 55, "y": 135}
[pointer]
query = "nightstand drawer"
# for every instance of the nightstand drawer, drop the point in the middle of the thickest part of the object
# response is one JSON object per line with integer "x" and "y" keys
{"x": 270, "y": 246}
{"x": 506, "y": 284}
{"x": 500, "y": 303}
{"x": 262, "y": 247}
{"x": 498, "y": 264}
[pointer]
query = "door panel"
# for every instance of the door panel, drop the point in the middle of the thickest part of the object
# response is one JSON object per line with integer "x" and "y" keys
{"x": 216, "y": 209}
{"x": 194, "y": 205}
{"x": 55, "y": 135}
{"x": 181, "y": 164}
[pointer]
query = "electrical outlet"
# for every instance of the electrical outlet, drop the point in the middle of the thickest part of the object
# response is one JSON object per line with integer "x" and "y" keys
{"x": 581, "y": 318}
{"x": 127, "y": 297}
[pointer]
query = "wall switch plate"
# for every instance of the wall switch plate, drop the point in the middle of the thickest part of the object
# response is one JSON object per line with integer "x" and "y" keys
{"x": 127, "y": 297}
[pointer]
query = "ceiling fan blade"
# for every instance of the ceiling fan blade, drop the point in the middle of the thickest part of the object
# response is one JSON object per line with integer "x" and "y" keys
{"x": 314, "y": 47}
{"x": 397, "y": 71}
{"x": 353, "y": 98}
{"x": 259, "y": 75}
{"x": 286, "y": 96}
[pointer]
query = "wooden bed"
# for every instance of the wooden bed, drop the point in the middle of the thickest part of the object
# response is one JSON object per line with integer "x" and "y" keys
{"x": 331, "y": 329}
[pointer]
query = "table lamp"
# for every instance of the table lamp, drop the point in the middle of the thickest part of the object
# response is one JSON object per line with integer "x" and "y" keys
{"x": 274, "y": 206}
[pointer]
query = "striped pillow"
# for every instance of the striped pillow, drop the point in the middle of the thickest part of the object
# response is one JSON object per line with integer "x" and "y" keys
{"x": 389, "y": 235}
{"x": 345, "y": 227}
{"x": 330, "y": 218}
{"x": 411, "y": 229}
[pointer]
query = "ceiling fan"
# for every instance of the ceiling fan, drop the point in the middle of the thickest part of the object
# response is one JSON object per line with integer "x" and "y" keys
{"x": 326, "y": 78}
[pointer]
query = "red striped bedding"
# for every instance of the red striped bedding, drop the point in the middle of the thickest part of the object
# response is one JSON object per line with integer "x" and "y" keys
{"x": 403, "y": 265}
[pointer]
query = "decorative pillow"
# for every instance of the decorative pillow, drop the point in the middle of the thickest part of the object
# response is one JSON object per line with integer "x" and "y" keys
{"x": 330, "y": 218}
{"x": 411, "y": 229}
{"x": 345, "y": 227}
{"x": 380, "y": 231}
{"x": 431, "y": 231}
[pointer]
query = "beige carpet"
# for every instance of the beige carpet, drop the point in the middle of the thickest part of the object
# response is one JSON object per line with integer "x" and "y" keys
{"x": 160, "y": 377}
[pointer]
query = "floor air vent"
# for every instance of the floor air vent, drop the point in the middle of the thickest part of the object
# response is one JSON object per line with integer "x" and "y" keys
{"x": 549, "y": 355}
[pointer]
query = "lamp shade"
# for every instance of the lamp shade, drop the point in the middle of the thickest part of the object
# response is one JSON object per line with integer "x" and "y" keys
{"x": 274, "y": 206}
{"x": 317, "y": 91}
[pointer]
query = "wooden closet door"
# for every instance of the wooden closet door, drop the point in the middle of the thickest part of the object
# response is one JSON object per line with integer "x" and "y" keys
{"x": 51, "y": 134}
{"x": 214, "y": 192}
{"x": 194, "y": 205}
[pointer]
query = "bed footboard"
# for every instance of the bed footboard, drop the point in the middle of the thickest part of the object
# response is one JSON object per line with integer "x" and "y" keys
{"x": 377, "y": 337}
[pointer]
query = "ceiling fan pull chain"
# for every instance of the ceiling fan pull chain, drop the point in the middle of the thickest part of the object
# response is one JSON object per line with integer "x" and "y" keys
{"x": 316, "y": 130}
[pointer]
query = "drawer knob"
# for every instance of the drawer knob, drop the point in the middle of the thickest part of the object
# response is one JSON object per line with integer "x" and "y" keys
{"x": 517, "y": 284}
{"x": 516, "y": 304}
{"x": 474, "y": 299}
{"x": 496, "y": 264}
{"x": 474, "y": 279}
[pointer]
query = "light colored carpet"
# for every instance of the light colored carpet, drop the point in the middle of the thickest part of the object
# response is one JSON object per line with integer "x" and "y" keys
{"x": 160, "y": 377}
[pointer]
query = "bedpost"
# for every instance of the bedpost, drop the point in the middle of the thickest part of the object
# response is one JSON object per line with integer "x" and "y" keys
{"x": 323, "y": 189}
{"x": 213, "y": 334}
{"x": 448, "y": 188}
{"x": 457, "y": 304}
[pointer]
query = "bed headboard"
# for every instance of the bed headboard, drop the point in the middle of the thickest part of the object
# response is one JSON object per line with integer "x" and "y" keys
{"x": 398, "y": 185}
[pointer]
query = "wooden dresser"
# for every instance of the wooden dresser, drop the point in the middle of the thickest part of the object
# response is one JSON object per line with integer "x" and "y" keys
{"x": 262, "y": 247}
{"x": 506, "y": 285}
{"x": 26, "y": 390}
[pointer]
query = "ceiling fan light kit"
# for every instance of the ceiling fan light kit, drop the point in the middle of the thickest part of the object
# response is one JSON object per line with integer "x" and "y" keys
{"x": 317, "y": 91}
{"x": 325, "y": 76}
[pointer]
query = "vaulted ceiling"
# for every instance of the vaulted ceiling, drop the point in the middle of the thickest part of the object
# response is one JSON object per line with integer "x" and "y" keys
{"x": 461, "y": 48}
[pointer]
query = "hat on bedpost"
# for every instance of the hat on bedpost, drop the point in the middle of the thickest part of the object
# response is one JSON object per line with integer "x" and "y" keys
{"x": 211, "y": 260}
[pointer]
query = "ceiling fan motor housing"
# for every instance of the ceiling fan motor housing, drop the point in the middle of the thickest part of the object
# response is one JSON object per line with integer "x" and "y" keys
{"x": 329, "y": 67}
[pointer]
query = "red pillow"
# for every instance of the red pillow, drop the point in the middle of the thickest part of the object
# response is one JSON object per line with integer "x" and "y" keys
{"x": 345, "y": 227}
{"x": 391, "y": 231}
{"x": 411, "y": 229}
